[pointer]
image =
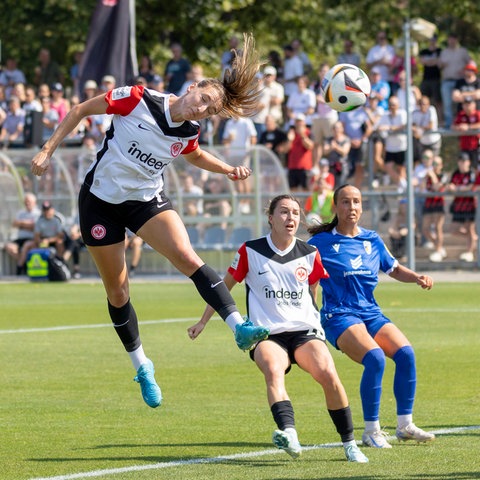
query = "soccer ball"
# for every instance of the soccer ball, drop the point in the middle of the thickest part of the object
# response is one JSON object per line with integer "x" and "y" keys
{"x": 345, "y": 87}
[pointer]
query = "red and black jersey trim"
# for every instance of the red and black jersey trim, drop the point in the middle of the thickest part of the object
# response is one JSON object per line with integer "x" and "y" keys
{"x": 156, "y": 106}
{"x": 261, "y": 246}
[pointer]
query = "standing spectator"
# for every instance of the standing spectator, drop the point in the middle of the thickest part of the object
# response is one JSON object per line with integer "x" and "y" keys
{"x": 176, "y": 69}
{"x": 195, "y": 75}
{"x": 264, "y": 106}
{"x": 353, "y": 320}
{"x": 324, "y": 117}
{"x": 11, "y": 133}
{"x": 11, "y": 75}
{"x": 239, "y": 136}
{"x": 75, "y": 72}
{"x": 434, "y": 210}
{"x": 90, "y": 89}
{"x": 275, "y": 60}
{"x": 381, "y": 55}
{"x": 401, "y": 93}
{"x": 48, "y": 71}
{"x": 274, "y": 137}
{"x": 280, "y": 262}
{"x": 109, "y": 82}
{"x": 380, "y": 88}
{"x": 453, "y": 59}
{"x": 229, "y": 54}
{"x": 348, "y": 55}
{"x": 24, "y": 223}
{"x": 299, "y": 160}
{"x": 375, "y": 112}
{"x": 424, "y": 128}
{"x": 145, "y": 68}
{"x": 469, "y": 119}
{"x": 358, "y": 129}
{"x": 43, "y": 90}
{"x": 298, "y": 50}
{"x": 464, "y": 208}
{"x": 322, "y": 170}
{"x": 303, "y": 100}
{"x": 392, "y": 125}
{"x": 336, "y": 150}
{"x": 292, "y": 71}
{"x": 59, "y": 103}
{"x": 276, "y": 93}
{"x": 431, "y": 76}
{"x": 468, "y": 86}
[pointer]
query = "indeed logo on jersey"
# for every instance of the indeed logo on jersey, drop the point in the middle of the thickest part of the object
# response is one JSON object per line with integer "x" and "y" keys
{"x": 145, "y": 157}
{"x": 283, "y": 296}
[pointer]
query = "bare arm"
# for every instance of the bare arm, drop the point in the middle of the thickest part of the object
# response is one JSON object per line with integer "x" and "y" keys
{"x": 195, "y": 330}
{"x": 94, "y": 106}
{"x": 205, "y": 160}
{"x": 404, "y": 274}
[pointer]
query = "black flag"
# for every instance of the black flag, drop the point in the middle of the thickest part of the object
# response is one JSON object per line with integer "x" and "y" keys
{"x": 111, "y": 46}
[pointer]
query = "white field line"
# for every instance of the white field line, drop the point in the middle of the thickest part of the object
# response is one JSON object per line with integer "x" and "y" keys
{"x": 196, "y": 461}
{"x": 193, "y": 319}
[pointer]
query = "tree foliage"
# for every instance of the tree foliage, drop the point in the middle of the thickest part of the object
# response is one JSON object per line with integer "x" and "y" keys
{"x": 204, "y": 26}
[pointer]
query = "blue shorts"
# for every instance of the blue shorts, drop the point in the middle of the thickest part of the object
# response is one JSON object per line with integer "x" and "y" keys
{"x": 335, "y": 324}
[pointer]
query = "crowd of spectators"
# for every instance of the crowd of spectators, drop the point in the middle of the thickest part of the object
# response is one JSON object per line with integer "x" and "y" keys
{"x": 311, "y": 140}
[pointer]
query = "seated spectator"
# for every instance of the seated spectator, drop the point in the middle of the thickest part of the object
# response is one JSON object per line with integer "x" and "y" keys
{"x": 11, "y": 75}
{"x": 11, "y": 134}
{"x": 59, "y": 103}
{"x": 73, "y": 246}
{"x": 336, "y": 150}
{"x": 32, "y": 103}
{"x": 216, "y": 206}
{"x": 192, "y": 197}
{"x": 24, "y": 223}
{"x": 322, "y": 170}
{"x": 48, "y": 232}
{"x": 463, "y": 208}
{"x": 375, "y": 112}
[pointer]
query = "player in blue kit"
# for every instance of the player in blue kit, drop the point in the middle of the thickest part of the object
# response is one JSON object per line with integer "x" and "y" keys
{"x": 124, "y": 188}
{"x": 281, "y": 274}
{"x": 354, "y": 322}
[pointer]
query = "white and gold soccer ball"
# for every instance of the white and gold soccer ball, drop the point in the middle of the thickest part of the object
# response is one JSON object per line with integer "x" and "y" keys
{"x": 345, "y": 87}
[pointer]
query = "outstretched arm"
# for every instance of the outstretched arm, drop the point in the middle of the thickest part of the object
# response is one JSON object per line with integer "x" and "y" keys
{"x": 205, "y": 160}
{"x": 195, "y": 330}
{"x": 94, "y": 106}
{"x": 404, "y": 274}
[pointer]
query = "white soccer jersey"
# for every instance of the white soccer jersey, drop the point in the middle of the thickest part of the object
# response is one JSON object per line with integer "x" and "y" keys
{"x": 277, "y": 284}
{"x": 140, "y": 143}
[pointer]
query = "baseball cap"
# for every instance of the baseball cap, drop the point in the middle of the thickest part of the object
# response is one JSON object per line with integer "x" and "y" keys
{"x": 324, "y": 162}
{"x": 269, "y": 70}
{"x": 300, "y": 116}
{"x": 376, "y": 70}
{"x": 46, "y": 205}
{"x": 56, "y": 87}
{"x": 463, "y": 156}
{"x": 108, "y": 79}
{"x": 90, "y": 85}
{"x": 472, "y": 66}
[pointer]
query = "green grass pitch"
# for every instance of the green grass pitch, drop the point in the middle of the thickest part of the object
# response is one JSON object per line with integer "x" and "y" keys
{"x": 69, "y": 407}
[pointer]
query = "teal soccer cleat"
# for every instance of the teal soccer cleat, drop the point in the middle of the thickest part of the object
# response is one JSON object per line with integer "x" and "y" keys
{"x": 288, "y": 442}
{"x": 151, "y": 393}
{"x": 247, "y": 334}
{"x": 354, "y": 454}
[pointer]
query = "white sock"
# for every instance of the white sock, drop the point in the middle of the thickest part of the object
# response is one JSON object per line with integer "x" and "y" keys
{"x": 372, "y": 426}
{"x": 292, "y": 432}
{"x": 138, "y": 357}
{"x": 404, "y": 420}
{"x": 233, "y": 320}
{"x": 347, "y": 444}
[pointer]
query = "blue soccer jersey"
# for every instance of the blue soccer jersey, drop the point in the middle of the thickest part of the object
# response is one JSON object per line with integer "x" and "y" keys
{"x": 353, "y": 265}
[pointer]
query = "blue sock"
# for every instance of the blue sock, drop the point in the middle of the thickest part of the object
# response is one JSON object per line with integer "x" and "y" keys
{"x": 405, "y": 380}
{"x": 371, "y": 383}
